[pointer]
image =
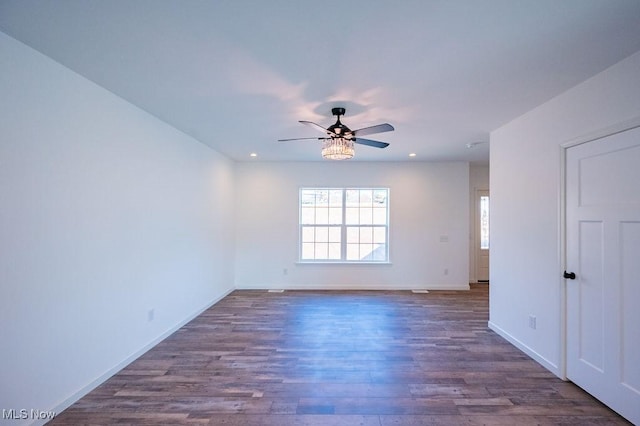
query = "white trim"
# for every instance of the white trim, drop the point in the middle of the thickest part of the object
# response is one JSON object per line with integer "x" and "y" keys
{"x": 361, "y": 287}
{"x": 60, "y": 407}
{"x": 341, "y": 262}
{"x": 562, "y": 255}
{"x": 620, "y": 127}
{"x": 526, "y": 349}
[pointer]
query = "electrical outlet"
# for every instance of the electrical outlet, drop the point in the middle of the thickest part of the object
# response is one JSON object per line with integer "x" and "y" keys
{"x": 151, "y": 314}
{"x": 285, "y": 271}
{"x": 532, "y": 322}
{"x": 446, "y": 271}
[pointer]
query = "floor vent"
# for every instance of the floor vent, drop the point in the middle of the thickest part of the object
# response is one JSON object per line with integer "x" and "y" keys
{"x": 276, "y": 290}
{"x": 419, "y": 291}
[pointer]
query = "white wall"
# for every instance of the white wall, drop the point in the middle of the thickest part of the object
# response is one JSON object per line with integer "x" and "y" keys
{"x": 526, "y": 263}
{"x": 478, "y": 180}
{"x": 105, "y": 213}
{"x": 427, "y": 201}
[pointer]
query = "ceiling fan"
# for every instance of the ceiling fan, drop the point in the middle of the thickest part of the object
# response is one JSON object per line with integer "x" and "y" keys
{"x": 339, "y": 139}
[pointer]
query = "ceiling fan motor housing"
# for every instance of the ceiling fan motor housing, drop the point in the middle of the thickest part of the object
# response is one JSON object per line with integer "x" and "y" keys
{"x": 339, "y": 129}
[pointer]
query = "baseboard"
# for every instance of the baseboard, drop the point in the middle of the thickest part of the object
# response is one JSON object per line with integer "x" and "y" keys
{"x": 345, "y": 287}
{"x": 551, "y": 366}
{"x": 115, "y": 369}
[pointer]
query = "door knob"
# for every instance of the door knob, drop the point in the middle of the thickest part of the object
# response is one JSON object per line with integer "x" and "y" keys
{"x": 569, "y": 275}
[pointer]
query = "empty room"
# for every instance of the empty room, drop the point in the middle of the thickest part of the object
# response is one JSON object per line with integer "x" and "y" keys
{"x": 320, "y": 213}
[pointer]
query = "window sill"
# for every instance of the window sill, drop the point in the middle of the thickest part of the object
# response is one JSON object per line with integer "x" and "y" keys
{"x": 338, "y": 262}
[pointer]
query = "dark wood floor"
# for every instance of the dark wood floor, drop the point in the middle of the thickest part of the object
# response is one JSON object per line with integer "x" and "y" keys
{"x": 339, "y": 358}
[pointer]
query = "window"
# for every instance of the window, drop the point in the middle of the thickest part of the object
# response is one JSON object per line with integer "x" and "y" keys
{"x": 344, "y": 224}
{"x": 484, "y": 222}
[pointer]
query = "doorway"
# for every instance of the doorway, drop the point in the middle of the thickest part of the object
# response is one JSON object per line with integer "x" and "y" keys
{"x": 482, "y": 235}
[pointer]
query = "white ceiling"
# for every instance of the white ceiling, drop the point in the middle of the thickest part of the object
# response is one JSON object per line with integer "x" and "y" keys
{"x": 238, "y": 74}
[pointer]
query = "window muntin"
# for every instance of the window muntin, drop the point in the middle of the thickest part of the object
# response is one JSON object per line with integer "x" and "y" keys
{"x": 344, "y": 224}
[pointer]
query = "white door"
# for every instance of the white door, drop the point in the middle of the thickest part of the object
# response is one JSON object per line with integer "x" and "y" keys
{"x": 603, "y": 250}
{"x": 482, "y": 236}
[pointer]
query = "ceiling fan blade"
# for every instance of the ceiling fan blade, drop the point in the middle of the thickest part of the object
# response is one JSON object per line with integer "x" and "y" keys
{"x": 317, "y": 127}
{"x": 370, "y": 142}
{"x": 379, "y": 128}
{"x": 299, "y": 139}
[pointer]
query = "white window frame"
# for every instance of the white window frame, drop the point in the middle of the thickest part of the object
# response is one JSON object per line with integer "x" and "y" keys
{"x": 344, "y": 227}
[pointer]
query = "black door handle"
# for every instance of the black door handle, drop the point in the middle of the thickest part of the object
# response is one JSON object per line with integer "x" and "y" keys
{"x": 569, "y": 275}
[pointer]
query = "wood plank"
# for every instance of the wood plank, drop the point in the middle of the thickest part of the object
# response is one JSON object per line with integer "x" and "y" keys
{"x": 339, "y": 358}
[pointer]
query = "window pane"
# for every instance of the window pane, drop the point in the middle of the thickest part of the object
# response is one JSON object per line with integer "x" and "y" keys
{"x": 353, "y": 234}
{"x": 308, "y": 197}
{"x": 366, "y": 197}
{"x": 322, "y": 234}
{"x": 351, "y": 216}
{"x": 335, "y": 215}
{"x": 379, "y": 235}
{"x": 353, "y": 197}
{"x": 307, "y": 215}
{"x": 379, "y": 216}
{"x": 322, "y": 215}
{"x": 335, "y": 198}
{"x": 322, "y": 197}
{"x": 322, "y": 251}
{"x": 334, "y": 234}
{"x": 334, "y": 251}
{"x": 308, "y": 234}
{"x": 379, "y": 252}
{"x": 366, "y": 216}
{"x": 365, "y": 251}
{"x": 366, "y": 235}
{"x": 307, "y": 251}
{"x": 380, "y": 197}
{"x": 353, "y": 252}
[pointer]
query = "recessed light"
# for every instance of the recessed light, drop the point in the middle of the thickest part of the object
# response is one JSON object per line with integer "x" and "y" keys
{"x": 253, "y": 154}
{"x": 413, "y": 154}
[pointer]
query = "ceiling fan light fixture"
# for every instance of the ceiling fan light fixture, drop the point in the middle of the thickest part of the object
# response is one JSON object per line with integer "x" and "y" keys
{"x": 337, "y": 149}
{"x": 339, "y": 140}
